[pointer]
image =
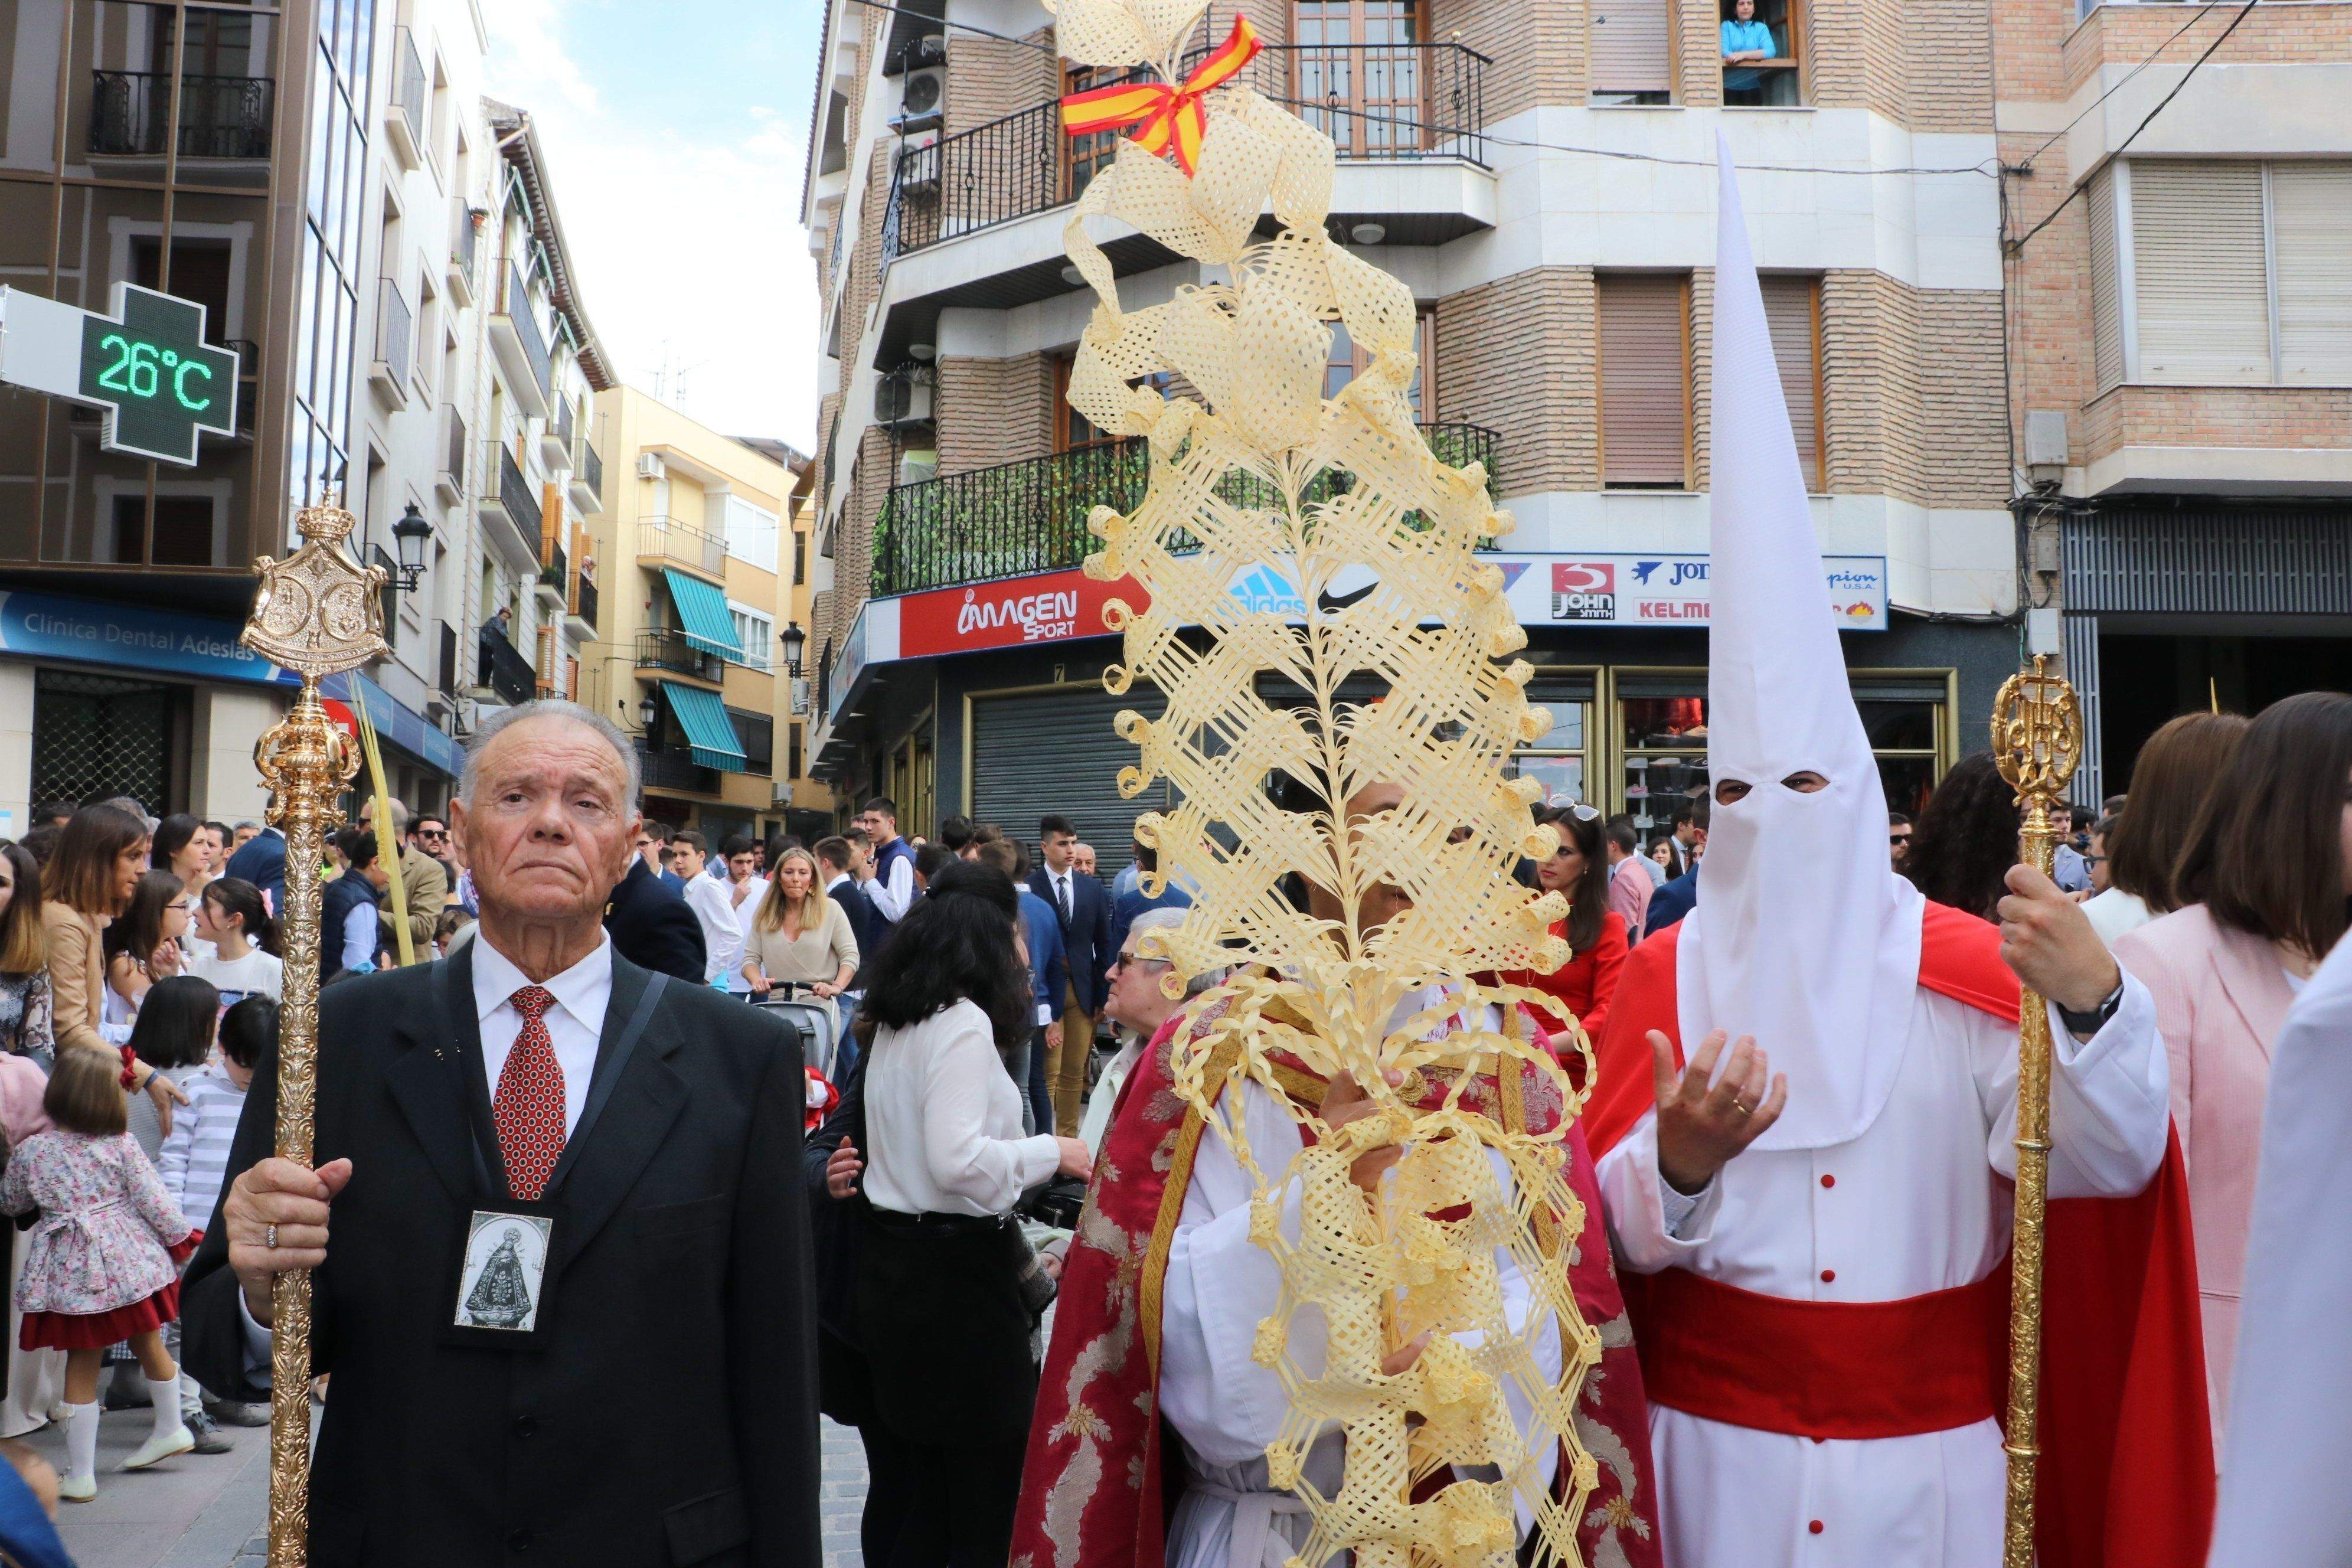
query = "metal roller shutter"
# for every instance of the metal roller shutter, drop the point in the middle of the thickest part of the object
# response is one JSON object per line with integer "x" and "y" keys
{"x": 1644, "y": 382}
{"x": 1057, "y": 752}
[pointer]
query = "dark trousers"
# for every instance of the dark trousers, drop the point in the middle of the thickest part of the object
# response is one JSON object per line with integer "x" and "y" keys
{"x": 1041, "y": 1096}
{"x": 932, "y": 1507}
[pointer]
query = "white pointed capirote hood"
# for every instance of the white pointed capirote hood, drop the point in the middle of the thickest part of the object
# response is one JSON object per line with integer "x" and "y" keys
{"x": 1804, "y": 936}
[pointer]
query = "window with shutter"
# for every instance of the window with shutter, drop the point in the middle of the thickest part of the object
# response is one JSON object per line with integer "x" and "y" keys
{"x": 1792, "y": 312}
{"x": 2311, "y": 242}
{"x": 2200, "y": 283}
{"x": 1644, "y": 376}
{"x": 1631, "y": 51}
{"x": 2106, "y": 289}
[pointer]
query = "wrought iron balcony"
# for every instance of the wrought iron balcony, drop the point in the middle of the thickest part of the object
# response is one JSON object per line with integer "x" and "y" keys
{"x": 220, "y": 116}
{"x": 662, "y": 649}
{"x": 1376, "y": 101}
{"x": 503, "y": 669}
{"x": 673, "y": 768}
{"x": 1030, "y": 516}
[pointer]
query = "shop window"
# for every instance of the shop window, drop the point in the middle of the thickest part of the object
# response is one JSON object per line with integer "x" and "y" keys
{"x": 1348, "y": 361}
{"x": 1773, "y": 81}
{"x": 1793, "y": 313}
{"x": 1661, "y": 742}
{"x": 1631, "y": 51}
{"x": 1645, "y": 383}
{"x": 1357, "y": 73}
{"x": 1559, "y": 759}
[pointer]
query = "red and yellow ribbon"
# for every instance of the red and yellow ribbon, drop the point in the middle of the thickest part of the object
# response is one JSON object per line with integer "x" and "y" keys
{"x": 1164, "y": 116}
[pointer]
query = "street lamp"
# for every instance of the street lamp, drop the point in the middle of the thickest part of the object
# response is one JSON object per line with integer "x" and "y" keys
{"x": 794, "y": 640}
{"x": 409, "y": 535}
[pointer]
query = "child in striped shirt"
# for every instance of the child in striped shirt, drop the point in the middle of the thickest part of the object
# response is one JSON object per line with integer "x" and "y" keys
{"x": 194, "y": 1160}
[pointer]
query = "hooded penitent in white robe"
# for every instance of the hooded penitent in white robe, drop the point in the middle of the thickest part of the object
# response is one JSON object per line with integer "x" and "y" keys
{"x": 1884, "y": 1178}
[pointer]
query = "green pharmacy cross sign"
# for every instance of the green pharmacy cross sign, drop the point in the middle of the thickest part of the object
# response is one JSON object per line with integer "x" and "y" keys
{"x": 146, "y": 362}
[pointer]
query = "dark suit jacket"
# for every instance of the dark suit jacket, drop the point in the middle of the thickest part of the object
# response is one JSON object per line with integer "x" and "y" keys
{"x": 1086, "y": 935}
{"x": 653, "y": 927}
{"x": 669, "y": 1416}
{"x": 262, "y": 862}
{"x": 866, "y": 924}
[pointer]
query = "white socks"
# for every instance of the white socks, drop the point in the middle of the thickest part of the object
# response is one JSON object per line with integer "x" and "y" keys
{"x": 165, "y": 1392}
{"x": 81, "y": 1441}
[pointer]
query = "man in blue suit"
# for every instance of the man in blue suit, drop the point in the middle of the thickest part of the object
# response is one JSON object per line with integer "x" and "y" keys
{"x": 262, "y": 862}
{"x": 1084, "y": 910}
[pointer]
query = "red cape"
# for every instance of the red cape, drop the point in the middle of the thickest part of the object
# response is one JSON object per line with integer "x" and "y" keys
{"x": 2127, "y": 1471}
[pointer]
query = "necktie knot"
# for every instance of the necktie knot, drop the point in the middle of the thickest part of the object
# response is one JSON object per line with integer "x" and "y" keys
{"x": 532, "y": 1002}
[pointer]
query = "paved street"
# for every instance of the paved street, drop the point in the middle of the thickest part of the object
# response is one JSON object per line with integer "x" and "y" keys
{"x": 207, "y": 1511}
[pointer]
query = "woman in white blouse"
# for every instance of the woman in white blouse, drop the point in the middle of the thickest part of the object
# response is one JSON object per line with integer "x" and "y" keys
{"x": 946, "y": 1333}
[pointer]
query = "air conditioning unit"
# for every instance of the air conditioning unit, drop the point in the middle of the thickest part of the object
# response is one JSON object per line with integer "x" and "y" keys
{"x": 902, "y": 398}
{"x": 651, "y": 466}
{"x": 922, "y": 101}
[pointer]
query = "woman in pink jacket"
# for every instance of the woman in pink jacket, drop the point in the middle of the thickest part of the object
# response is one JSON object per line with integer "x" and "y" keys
{"x": 2264, "y": 882}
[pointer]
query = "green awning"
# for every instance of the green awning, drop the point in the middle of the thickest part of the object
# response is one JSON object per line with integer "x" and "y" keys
{"x": 710, "y": 733}
{"x": 702, "y": 613}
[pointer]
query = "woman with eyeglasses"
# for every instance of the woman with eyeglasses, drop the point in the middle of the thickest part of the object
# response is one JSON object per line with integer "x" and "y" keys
{"x": 1596, "y": 935}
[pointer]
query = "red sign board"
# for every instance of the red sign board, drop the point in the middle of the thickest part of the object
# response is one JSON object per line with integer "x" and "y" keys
{"x": 1053, "y": 607}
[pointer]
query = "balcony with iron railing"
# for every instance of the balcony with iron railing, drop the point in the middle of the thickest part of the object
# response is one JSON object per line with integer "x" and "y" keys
{"x": 465, "y": 250}
{"x": 503, "y": 669}
{"x": 1030, "y": 516}
{"x": 665, "y": 541}
{"x": 588, "y": 480}
{"x": 520, "y": 346}
{"x": 394, "y": 328}
{"x": 513, "y": 502}
{"x": 406, "y": 115}
{"x": 220, "y": 117}
{"x": 1378, "y": 102}
{"x": 664, "y": 650}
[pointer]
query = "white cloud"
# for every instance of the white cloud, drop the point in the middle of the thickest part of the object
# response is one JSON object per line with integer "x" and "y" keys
{"x": 682, "y": 236}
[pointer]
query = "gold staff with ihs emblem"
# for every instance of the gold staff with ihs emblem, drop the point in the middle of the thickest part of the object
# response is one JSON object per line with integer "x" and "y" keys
{"x": 2037, "y": 737}
{"x": 317, "y": 614}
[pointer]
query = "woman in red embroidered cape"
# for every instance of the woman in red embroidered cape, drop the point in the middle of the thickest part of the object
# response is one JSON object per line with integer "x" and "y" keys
{"x": 1100, "y": 1481}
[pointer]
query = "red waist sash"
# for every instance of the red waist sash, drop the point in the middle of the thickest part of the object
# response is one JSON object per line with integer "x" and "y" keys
{"x": 1822, "y": 1369}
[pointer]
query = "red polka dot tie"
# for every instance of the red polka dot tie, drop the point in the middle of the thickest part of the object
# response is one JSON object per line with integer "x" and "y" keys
{"x": 528, "y": 1108}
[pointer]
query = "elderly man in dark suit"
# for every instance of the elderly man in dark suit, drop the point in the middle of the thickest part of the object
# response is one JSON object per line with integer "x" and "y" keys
{"x": 627, "y": 1380}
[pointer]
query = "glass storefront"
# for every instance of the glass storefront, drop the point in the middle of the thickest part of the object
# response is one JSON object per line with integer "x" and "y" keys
{"x": 1634, "y": 741}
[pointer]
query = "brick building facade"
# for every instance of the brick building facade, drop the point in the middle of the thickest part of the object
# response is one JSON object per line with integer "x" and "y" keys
{"x": 1545, "y": 187}
{"x": 2181, "y": 371}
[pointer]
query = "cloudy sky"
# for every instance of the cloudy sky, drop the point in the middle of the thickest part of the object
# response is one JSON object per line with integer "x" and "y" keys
{"x": 676, "y": 151}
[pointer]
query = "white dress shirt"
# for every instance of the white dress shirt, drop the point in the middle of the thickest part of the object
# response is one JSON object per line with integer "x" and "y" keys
{"x": 574, "y": 1024}
{"x": 713, "y": 903}
{"x": 944, "y": 1120}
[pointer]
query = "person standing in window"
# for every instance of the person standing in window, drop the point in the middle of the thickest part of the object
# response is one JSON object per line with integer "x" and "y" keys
{"x": 1745, "y": 38}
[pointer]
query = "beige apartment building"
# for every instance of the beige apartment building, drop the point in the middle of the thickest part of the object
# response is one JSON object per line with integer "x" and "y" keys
{"x": 2182, "y": 351}
{"x": 689, "y": 580}
{"x": 1542, "y": 176}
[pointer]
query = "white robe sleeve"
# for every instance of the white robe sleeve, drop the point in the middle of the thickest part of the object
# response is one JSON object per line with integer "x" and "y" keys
{"x": 1652, "y": 1227}
{"x": 1219, "y": 1287}
{"x": 2110, "y": 1098}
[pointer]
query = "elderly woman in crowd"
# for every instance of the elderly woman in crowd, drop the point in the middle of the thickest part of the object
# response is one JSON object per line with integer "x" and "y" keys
{"x": 2263, "y": 880}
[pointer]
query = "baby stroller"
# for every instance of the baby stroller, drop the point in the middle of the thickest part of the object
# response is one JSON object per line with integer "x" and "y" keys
{"x": 814, "y": 1017}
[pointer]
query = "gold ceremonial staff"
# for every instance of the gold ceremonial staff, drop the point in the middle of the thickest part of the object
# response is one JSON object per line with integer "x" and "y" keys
{"x": 317, "y": 612}
{"x": 2037, "y": 737}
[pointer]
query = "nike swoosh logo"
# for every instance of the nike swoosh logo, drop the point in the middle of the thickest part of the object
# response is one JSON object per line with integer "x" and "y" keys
{"x": 1332, "y": 604}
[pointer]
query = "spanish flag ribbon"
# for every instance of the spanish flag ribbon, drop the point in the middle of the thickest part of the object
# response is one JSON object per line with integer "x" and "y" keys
{"x": 1165, "y": 116}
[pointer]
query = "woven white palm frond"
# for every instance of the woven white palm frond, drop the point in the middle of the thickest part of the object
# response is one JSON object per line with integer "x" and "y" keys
{"x": 1412, "y": 685}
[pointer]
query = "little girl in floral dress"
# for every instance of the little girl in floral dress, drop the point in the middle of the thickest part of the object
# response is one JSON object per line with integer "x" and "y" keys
{"x": 100, "y": 1270}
